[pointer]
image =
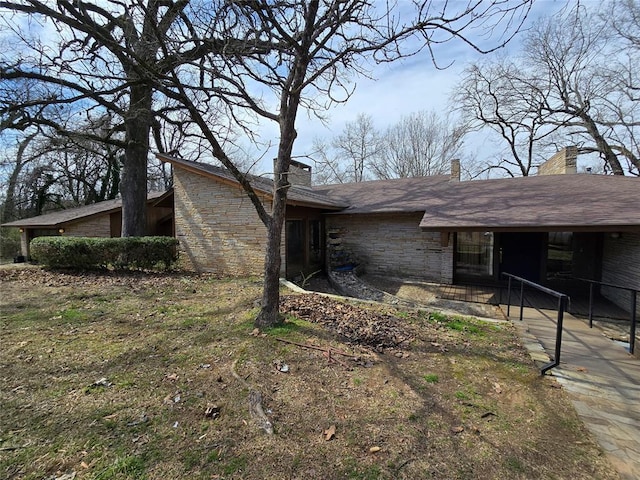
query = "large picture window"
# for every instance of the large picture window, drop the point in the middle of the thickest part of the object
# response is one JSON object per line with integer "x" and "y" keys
{"x": 474, "y": 254}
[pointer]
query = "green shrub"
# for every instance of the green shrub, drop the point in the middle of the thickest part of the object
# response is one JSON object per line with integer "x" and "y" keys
{"x": 118, "y": 253}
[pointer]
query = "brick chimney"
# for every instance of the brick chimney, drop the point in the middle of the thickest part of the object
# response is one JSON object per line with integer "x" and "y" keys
{"x": 563, "y": 162}
{"x": 455, "y": 170}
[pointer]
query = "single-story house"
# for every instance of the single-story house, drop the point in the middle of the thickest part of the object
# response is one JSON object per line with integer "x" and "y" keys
{"x": 102, "y": 219}
{"x": 547, "y": 228}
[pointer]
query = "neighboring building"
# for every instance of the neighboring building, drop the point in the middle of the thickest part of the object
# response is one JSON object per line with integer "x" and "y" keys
{"x": 102, "y": 219}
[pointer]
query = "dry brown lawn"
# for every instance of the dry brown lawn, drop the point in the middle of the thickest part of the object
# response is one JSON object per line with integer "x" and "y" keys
{"x": 114, "y": 376}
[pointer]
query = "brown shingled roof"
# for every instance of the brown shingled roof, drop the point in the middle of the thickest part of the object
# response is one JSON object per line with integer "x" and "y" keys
{"x": 546, "y": 203}
{"x": 399, "y": 195}
{"x": 297, "y": 194}
{"x": 70, "y": 215}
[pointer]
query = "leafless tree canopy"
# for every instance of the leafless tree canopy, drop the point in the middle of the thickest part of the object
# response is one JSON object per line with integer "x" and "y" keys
{"x": 573, "y": 83}
{"x": 420, "y": 144}
{"x": 349, "y": 155}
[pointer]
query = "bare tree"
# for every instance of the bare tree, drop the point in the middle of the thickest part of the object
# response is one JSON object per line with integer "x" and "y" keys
{"x": 316, "y": 45}
{"x": 563, "y": 55}
{"x": 492, "y": 96}
{"x": 16, "y": 165}
{"x": 99, "y": 57}
{"x": 420, "y": 144}
{"x": 349, "y": 155}
{"x": 621, "y": 73}
{"x": 575, "y": 80}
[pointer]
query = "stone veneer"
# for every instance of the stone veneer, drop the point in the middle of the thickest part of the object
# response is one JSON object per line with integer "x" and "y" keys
{"x": 621, "y": 266}
{"x": 393, "y": 244}
{"x": 217, "y": 227}
{"x": 99, "y": 226}
{"x": 563, "y": 162}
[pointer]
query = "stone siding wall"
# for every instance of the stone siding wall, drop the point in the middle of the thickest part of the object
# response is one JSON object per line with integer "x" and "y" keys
{"x": 99, "y": 226}
{"x": 394, "y": 245}
{"x": 217, "y": 226}
{"x": 621, "y": 266}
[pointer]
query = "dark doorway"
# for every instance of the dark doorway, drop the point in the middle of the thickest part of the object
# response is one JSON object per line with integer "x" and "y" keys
{"x": 522, "y": 254}
{"x": 295, "y": 240}
{"x": 304, "y": 246}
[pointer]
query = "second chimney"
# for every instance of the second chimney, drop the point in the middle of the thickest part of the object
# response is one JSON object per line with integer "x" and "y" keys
{"x": 455, "y": 170}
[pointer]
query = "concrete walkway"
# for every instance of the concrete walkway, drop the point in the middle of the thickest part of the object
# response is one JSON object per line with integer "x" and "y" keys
{"x": 600, "y": 376}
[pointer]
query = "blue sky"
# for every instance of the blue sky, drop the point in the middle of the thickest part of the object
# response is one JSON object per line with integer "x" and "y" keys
{"x": 398, "y": 89}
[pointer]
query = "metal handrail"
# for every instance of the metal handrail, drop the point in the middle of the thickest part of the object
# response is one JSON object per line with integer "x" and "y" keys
{"x": 562, "y": 307}
{"x": 634, "y": 299}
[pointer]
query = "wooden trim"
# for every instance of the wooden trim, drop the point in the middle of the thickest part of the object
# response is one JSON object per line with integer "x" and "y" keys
{"x": 445, "y": 238}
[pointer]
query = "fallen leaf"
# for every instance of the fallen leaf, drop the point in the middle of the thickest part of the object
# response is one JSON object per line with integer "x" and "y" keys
{"x": 458, "y": 429}
{"x": 497, "y": 388}
{"x": 212, "y": 411}
{"x": 330, "y": 432}
{"x": 374, "y": 449}
{"x": 581, "y": 369}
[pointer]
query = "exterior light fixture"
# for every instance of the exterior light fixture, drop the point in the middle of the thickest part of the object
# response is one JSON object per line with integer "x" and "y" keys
{"x": 21, "y": 230}
{"x": 61, "y": 230}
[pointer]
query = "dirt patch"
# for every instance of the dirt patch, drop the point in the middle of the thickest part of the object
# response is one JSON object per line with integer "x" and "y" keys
{"x": 129, "y": 376}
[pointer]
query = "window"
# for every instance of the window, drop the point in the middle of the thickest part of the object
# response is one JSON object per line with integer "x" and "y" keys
{"x": 474, "y": 254}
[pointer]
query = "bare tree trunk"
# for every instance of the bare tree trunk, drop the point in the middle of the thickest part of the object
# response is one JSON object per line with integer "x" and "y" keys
{"x": 605, "y": 149}
{"x": 134, "y": 174}
{"x": 269, "y": 314}
{"x": 9, "y": 208}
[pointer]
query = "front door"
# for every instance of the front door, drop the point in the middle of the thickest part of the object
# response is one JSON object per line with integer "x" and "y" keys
{"x": 522, "y": 254}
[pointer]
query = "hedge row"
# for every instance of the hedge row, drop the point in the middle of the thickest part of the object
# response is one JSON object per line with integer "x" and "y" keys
{"x": 118, "y": 253}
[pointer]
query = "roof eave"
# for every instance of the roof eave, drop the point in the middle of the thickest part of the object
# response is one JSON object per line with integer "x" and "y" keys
{"x": 234, "y": 183}
{"x": 22, "y": 224}
{"x": 530, "y": 228}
